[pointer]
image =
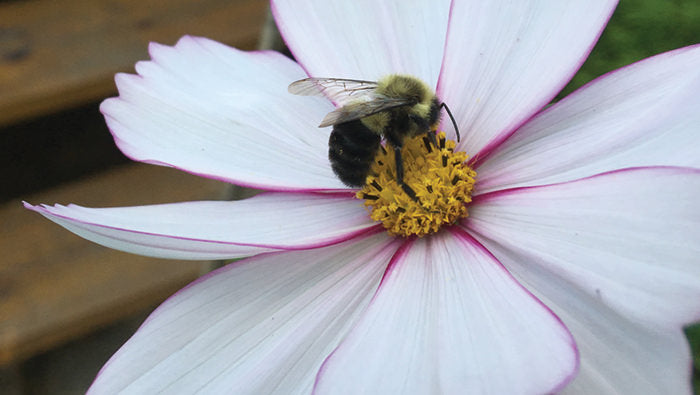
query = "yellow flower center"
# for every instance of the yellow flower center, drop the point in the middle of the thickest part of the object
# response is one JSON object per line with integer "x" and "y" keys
{"x": 440, "y": 178}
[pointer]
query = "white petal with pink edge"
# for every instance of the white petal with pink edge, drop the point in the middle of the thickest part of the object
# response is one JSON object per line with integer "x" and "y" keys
{"x": 627, "y": 238}
{"x": 618, "y": 355}
{"x": 645, "y": 114}
{"x": 365, "y": 39}
{"x": 261, "y": 325}
{"x": 222, "y": 113}
{"x": 505, "y": 60}
{"x": 218, "y": 229}
{"x": 448, "y": 318}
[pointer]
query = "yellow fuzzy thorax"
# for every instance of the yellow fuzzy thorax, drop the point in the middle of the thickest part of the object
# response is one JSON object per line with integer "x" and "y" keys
{"x": 398, "y": 85}
{"x": 441, "y": 179}
{"x": 401, "y": 86}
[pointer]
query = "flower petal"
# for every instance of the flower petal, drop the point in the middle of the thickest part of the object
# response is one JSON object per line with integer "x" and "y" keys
{"x": 618, "y": 355}
{"x": 262, "y": 325}
{"x": 365, "y": 39}
{"x": 629, "y": 239}
{"x": 505, "y": 60}
{"x": 222, "y": 113}
{"x": 218, "y": 229}
{"x": 448, "y": 318}
{"x": 642, "y": 115}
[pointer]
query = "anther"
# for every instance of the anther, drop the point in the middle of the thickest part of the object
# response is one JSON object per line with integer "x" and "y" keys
{"x": 410, "y": 192}
{"x": 426, "y": 143}
{"x": 441, "y": 183}
{"x": 433, "y": 139}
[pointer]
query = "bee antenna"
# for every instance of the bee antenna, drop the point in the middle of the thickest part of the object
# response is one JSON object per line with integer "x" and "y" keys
{"x": 451, "y": 118}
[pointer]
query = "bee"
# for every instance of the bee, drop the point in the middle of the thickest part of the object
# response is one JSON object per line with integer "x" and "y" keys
{"x": 394, "y": 108}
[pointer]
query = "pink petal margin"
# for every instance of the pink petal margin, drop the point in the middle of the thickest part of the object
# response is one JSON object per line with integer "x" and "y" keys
{"x": 644, "y": 114}
{"x": 222, "y": 113}
{"x": 365, "y": 39}
{"x": 506, "y": 60}
{"x": 219, "y": 229}
{"x": 448, "y": 318}
{"x": 616, "y": 256}
{"x": 260, "y": 325}
{"x": 628, "y": 237}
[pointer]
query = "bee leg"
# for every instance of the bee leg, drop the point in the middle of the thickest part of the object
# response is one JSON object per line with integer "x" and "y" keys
{"x": 433, "y": 139}
{"x": 423, "y": 124}
{"x": 399, "y": 175}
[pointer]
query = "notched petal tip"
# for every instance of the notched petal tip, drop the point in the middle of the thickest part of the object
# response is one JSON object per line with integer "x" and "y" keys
{"x": 218, "y": 229}
{"x": 173, "y": 113}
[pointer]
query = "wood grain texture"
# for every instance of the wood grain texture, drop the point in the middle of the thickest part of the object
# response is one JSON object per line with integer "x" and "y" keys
{"x": 57, "y": 54}
{"x": 55, "y": 286}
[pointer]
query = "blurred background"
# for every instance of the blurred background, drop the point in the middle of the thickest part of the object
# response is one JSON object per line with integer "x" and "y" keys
{"x": 66, "y": 304}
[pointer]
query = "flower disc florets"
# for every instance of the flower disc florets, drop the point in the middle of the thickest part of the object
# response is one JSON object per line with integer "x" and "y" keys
{"x": 440, "y": 178}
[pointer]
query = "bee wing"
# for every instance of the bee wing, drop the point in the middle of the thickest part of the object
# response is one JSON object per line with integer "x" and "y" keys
{"x": 340, "y": 91}
{"x": 361, "y": 109}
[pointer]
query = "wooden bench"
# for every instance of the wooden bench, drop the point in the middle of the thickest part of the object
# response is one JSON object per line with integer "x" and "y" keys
{"x": 55, "y": 55}
{"x": 55, "y": 286}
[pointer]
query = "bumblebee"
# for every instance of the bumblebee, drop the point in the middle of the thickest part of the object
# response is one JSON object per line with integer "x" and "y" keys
{"x": 394, "y": 108}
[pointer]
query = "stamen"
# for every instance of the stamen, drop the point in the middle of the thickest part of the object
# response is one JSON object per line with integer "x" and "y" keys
{"x": 437, "y": 187}
{"x": 428, "y": 145}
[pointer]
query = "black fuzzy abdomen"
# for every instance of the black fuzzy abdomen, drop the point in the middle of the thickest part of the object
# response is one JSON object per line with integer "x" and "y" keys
{"x": 351, "y": 150}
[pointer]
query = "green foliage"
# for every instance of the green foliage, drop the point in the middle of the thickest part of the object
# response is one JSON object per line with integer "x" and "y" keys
{"x": 639, "y": 29}
{"x": 693, "y": 333}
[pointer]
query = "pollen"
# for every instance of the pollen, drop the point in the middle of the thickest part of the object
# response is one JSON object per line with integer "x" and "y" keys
{"x": 440, "y": 178}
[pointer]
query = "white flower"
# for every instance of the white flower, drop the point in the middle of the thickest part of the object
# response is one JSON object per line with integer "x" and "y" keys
{"x": 575, "y": 271}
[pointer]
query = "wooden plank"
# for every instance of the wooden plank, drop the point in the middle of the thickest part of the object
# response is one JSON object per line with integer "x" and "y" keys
{"x": 62, "y": 53}
{"x": 55, "y": 286}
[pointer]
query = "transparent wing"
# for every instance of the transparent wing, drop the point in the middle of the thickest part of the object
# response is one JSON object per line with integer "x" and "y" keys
{"x": 340, "y": 91}
{"x": 361, "y": 109}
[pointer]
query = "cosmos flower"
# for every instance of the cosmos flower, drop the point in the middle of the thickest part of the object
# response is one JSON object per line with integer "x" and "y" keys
{"x": 573, "y": 268}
